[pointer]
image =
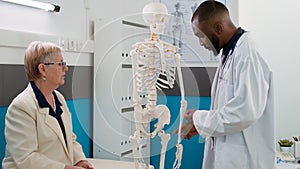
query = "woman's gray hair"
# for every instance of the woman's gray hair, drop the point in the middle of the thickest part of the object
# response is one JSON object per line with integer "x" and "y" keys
{"x": 38, "y": 52}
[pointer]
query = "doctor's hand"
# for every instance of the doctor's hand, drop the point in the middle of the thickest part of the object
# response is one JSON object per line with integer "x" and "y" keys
{"x": 188, "y": 129}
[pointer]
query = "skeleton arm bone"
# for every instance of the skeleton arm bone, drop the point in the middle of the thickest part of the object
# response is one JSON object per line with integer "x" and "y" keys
{"x": 177, "y": 163}
{"x": 136, "y": 138}
{"x": 183, "y": 101}
{"x": 183, "y": 107}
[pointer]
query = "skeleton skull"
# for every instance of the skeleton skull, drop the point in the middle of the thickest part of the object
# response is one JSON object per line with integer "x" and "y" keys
{"x": 156, "y": 15}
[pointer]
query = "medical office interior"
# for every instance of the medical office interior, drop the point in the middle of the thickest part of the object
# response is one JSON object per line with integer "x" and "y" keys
{"x": 96, "y": 38}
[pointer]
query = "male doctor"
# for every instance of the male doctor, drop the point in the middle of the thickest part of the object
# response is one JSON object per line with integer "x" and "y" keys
{"x": 239, "y": 127}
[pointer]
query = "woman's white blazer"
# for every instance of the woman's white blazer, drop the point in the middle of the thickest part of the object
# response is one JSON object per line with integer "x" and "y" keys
{"x": 34, "y": 138}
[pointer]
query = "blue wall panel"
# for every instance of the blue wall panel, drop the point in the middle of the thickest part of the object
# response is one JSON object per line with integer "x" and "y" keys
{"x": 2, "y": 140}
{"x": 82, "y": 123}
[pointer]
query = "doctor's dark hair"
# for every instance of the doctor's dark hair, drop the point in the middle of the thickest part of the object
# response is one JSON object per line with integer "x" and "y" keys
{"x": 207, "y": 10}
{"x": 38, "y": 52}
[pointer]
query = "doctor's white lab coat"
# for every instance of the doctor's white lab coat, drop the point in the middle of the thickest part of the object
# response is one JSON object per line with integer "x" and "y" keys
{"x": 239, "y": 128}
{"x": 34, "y": 138}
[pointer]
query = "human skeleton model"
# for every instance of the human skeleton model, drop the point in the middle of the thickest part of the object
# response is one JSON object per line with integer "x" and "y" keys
{"x": 151, "y": 60}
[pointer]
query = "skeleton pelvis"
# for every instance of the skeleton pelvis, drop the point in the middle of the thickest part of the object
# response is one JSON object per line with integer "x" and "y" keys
{"x": 161, "y": 112}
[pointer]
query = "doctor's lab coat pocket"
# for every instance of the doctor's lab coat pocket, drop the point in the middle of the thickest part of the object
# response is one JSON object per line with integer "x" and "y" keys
{"x": 231, "y": 156}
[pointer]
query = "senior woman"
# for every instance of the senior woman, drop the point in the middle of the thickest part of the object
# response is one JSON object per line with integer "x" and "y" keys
{"x": 38, "y": 126}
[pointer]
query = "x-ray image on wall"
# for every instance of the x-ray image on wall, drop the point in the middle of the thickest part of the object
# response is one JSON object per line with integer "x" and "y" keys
{"x": 179, "y": 31}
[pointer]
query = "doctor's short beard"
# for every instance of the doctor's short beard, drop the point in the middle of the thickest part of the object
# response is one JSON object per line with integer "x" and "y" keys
{"x": 215, "y": 43}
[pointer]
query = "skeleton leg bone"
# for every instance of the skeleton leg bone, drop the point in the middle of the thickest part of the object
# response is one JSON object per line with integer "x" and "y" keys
{"x": 136, "y": 142}
{"x": 164, "y": 142}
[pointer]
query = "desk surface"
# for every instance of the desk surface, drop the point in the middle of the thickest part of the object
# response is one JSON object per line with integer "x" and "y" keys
{"x": 288, "y": 166}
{"x": 112, "y": 164}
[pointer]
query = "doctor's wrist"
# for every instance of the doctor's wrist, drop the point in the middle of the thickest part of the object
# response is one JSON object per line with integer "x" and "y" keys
{"x": 189, "y": 116}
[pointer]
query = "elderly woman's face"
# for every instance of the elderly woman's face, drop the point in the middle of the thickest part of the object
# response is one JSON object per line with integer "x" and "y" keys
{"x": 57, "y": 69}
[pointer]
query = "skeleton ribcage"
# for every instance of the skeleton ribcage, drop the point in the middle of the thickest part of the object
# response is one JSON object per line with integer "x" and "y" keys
{"x": 150, "y": 70}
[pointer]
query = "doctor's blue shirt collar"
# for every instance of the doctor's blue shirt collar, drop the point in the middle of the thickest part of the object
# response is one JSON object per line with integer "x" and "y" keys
{"x": 230, "y": 46}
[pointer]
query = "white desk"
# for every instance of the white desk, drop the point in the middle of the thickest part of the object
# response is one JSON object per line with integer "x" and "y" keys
{"x": 288, "y": 166}
{"x": 112, "y": 164}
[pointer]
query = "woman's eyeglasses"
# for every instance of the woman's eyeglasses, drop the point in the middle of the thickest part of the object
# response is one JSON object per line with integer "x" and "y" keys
{"x": 62, "y": 64}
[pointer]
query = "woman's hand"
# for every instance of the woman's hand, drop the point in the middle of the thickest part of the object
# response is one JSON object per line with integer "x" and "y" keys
{"x": 84, "y": 164}
{"x": 72, "y": 167}
{"x": 80, "y": 165}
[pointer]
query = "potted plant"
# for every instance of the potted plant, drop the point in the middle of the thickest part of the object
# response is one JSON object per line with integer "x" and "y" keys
{"x": 285, "y": 145}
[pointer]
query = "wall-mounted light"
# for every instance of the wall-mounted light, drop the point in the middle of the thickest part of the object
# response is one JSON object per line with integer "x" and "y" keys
{"x": 36, "y": 4}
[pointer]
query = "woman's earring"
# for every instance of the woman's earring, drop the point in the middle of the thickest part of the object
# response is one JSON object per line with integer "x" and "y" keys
{"x": 44, "y": 78}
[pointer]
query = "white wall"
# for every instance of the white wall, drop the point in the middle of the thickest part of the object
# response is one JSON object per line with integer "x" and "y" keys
{"x": 275, "y": 25}
{"x": 70, "y": 22}
{"x": 74, "y": 19}
{"x": 115, "y": 8}
{"x": 112, "y": 10}
{"x": 73, "y": 22}
{"x": 24, "y": 24}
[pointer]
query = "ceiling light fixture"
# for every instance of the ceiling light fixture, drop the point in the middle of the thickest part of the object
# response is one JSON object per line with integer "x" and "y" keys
{"x": 36, "y": 4}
